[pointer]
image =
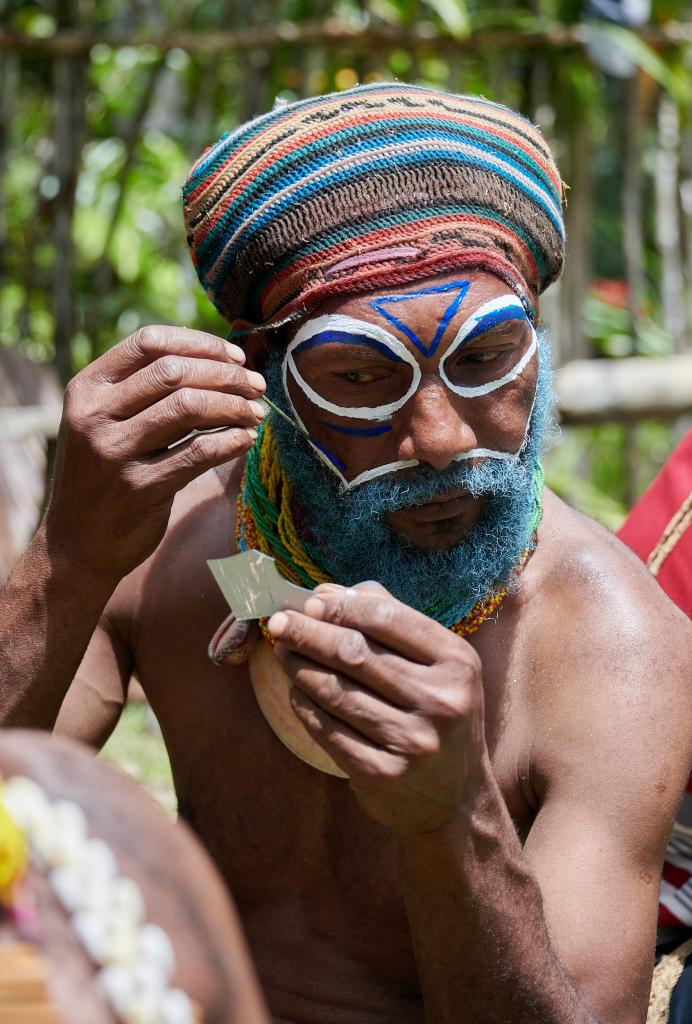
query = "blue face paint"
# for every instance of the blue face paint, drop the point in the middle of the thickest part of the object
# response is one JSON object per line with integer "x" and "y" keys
{"x": 345, "y": 338}
{"x": 341, "y": 466}
{"x": 460, "y": 287}
{"x": 498, "y": 316}
{"x": 351, "y": 432}
{"x": 490, "y": 313}
{"x": 348, "y": 528}
{"x": 350, "y": 331}
{"x": 381, "y": 428}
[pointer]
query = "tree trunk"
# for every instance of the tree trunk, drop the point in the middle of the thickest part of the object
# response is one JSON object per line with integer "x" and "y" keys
{"x": 256, "y": 63}
{"x": 9, "y": 82}
{"x": 668, "y": 233}
{"x": 130, "y": 136}
{"x": 69, "y": 74}
{"x": 578, "y": 225}
{"x": 686, "y": 205}
{"x": 633, "y": 183}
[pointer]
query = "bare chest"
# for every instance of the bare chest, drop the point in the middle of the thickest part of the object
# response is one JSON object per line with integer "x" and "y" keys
{"x": 309, "y": 871}
{"x": 240, "y": 786}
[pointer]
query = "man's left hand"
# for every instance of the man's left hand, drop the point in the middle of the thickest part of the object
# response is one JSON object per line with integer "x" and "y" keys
{"x": 394, "y": 697}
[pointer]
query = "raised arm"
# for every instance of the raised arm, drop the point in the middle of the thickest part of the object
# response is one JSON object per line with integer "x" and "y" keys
{"x": 560, "y": 931}
{"x": 49, "y": 609}
{"x": 96, "y": 697}
{"x": 116, "y": 477}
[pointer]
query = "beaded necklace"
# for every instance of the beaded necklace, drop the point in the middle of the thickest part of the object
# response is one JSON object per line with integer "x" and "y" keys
{"x": 265, "y": 522}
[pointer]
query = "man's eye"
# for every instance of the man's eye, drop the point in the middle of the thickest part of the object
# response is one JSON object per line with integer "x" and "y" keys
{"x": 482, "y": 356}
{"x": 358, "y": 376}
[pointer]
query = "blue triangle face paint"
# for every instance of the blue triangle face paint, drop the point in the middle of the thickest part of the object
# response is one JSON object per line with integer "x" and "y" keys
{"x": 459, "y": 289}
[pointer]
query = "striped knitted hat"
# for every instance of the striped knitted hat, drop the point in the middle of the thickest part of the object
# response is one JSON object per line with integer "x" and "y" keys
{"x": 369, "y": 188}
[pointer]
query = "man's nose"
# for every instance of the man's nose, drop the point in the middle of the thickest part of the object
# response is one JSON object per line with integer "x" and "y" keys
{"x": 433, "y": 430}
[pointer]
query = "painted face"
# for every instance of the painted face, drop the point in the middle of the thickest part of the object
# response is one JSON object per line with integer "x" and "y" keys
{"x": 458, "y": 353}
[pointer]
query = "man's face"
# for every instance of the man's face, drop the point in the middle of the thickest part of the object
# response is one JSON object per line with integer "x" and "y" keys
{"x": 429, "y": 374}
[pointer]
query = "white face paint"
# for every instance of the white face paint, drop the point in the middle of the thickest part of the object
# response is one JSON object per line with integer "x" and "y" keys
{"x": 324, "y": 329}
{"x": 468, "y": 328}
{"x": 337, "y": 328}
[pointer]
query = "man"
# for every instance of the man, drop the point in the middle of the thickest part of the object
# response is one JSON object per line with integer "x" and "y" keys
{"x": 93, "y": 926}
{"x": 507, "y": 711}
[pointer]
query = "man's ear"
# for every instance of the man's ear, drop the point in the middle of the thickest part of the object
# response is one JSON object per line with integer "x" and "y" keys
{"x": 255, "y": 344}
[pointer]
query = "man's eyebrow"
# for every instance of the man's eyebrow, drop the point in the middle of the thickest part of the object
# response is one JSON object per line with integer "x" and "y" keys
{"x": 494, "y": 319}
{"x": 329, "y": 337}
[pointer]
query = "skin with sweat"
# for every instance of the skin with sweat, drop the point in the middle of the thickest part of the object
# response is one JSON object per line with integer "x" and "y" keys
{"x": 495, "y": 854}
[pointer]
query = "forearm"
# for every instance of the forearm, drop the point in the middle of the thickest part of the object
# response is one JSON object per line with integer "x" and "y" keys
{"x": 476, "y": 917}
{"x": 48, "y": 612}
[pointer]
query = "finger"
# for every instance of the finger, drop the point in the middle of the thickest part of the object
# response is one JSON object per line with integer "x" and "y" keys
{"x": 386, "y": 620}
{"x": 191, "y": 458}
{"x": 152, "y": 342}
{"x": 378, "y": 719}
{"x": 353, "y": 752}
{"x": 170, "y": 373}
{"x": 366, "y": 587}
{"x": 186, "y": 410}
{"x": 373, "y": 587}
{"x": 350, "y": 653}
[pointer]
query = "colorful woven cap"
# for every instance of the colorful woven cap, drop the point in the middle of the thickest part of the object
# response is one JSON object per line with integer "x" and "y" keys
{"x": 369, "y": 188}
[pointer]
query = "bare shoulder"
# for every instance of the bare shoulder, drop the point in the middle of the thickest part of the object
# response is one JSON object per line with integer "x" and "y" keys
{"x": 597, "y": 596}
{"x": 611, "y": 657}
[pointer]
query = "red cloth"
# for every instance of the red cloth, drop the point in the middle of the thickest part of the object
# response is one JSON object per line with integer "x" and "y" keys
{"x": 648, "y": 519}
{"x": 642, "y": 531}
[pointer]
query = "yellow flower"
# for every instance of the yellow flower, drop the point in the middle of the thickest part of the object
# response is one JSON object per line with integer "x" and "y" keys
{"x": 13, "y": 853}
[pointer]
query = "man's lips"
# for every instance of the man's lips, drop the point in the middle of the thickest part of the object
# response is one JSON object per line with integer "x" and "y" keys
{"x": 447, "y": 506}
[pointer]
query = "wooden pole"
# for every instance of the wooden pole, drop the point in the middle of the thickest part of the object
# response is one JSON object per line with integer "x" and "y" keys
{"x": 334, "y": 32}
{"x": 624, "y": 390}
{"x": 578, "y": 219}
{"x": 632, "y": 186}
{"x": 668, "y": 222}
{"x": 19, "y": 421}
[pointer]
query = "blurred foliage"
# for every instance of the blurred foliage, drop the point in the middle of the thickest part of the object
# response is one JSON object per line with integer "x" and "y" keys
{"x": 147, "y": 114}
{"x": 137, "y": 748}
{"x": 608, "y": 328}
{"x": 601, "y": 470}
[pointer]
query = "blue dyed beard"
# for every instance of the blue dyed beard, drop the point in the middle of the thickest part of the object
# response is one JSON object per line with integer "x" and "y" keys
{"x": 348, "y": 527}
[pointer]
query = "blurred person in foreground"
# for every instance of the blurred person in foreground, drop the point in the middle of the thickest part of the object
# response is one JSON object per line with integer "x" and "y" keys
{"x": 442, "y": 791}
{"x": 109, "y": 912}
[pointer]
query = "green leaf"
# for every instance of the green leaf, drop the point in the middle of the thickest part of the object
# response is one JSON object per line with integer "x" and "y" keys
{"x": 667, "y": 76}
{"x": 584, "y": 495}
{"x": 454, "y": 15}
{"x": 387, "y": 11}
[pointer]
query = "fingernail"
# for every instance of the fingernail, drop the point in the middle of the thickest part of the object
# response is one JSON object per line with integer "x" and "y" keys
{"x": 236, "y": 354}
{"x": 326, "y": 587}
{"x": 253, "y": 433}
{"x": 277, "y": 624}
{"x": 258, "y": 409}
{"x": 257, "y": 380}
{"x": 314, "y": 607}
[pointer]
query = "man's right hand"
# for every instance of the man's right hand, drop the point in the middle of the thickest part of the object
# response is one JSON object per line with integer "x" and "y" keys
{"x": 116, "y": 473}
